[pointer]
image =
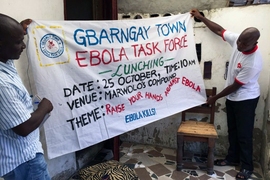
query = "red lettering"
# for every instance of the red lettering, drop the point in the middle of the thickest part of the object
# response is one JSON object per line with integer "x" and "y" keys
{"x": 135, "y": 98}
{"x": 156, "y": 97}
{"x": 97, "y": 57}
{"x": 78, "y": 59}
{"x": 141, "y": 50}
{"x": 172, "y": 82}
{"x": 110, "y": 56}
{"x": 114, "y": 109}
{"x": 190, "y": 84}
{"x": 145, "y": 49}
{"x": 149, "y": 48}
{"x": 134, "y": 49}
{"x": 176, "y": 43}
{"x": 155, "y": 48}
{"x": 94, "y": 54}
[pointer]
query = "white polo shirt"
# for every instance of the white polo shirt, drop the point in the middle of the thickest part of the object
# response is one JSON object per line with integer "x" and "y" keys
{"x": 244, "y": 68}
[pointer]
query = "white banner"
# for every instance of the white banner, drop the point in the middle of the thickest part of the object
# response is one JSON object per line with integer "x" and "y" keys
{"x": 105, "y": 78}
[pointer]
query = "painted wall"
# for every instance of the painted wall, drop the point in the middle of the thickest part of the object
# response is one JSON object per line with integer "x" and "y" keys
{"x": 168, "y": 6}
{"x": 214, "y": 49}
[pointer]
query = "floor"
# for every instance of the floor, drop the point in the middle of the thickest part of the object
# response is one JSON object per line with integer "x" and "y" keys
{"x": 155, "y": 163}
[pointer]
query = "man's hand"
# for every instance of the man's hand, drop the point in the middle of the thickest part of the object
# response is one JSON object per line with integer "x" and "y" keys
{"x": 45, "y": 105}
{"x": 211, "y": 100}
{"x": 25, "y": 24}
{"x": 196, "y": 13}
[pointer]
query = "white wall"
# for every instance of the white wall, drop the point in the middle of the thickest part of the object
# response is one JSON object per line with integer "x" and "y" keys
{"x": 167, "y": 6}
{"x": 39, "y": 10}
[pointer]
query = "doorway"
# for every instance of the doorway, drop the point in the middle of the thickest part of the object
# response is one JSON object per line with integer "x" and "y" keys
{"x": 90, "y": 10}
{"x": 94, "y": 10}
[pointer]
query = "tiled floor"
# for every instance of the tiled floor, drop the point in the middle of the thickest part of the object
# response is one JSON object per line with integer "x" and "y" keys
{"x": 155, "y": 163}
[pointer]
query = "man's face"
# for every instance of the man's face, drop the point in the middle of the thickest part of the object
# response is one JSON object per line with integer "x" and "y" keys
{"x": 11, "y": 47}
{"x": 245, "y": 44}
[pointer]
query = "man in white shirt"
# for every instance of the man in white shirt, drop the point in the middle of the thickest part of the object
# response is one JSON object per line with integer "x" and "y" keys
{"x": 242, "y": 93}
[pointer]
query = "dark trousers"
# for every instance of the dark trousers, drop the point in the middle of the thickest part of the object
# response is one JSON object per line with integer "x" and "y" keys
{"x": 240, "y": 119}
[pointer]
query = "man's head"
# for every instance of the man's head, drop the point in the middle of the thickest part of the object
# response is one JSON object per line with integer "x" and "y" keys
{"x": 248, "y": 39}
{"x": 11, "y": 38}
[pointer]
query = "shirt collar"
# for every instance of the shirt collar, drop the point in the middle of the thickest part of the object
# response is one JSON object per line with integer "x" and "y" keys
{"x": 8, "y": 67}
{"x": 251, "y": 51}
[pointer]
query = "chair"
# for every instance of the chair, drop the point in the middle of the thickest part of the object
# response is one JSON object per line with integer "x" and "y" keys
{"x": 198, "y": 131}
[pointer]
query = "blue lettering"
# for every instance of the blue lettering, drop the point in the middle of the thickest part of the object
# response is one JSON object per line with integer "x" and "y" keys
{"x": 146, "y": 31}
{"x": 104, "y": 36}
{"x": 82, "y": 38}
{"x": 114, "y": 33}
{"x": 139, "y": 115}
{"x": 132, "y": 34}
{"x": 166, "y": 29}
{"x": 91, "y": 35}
{"x": 124, "y": 35}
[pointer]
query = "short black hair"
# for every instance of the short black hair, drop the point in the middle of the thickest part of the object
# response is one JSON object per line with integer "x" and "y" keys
{"x": 7, "y": 23}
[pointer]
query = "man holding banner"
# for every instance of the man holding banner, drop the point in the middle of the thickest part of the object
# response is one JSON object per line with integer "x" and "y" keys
{"x": 242, "y": 92}
{"x": 21, "y": 153}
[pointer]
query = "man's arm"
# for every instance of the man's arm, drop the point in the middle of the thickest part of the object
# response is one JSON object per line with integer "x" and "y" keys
{"x": 217, "y": 29}
{"x": 228, "y": 90}
{"x": 35, "y": 120}
{"x": 214, "y": 27}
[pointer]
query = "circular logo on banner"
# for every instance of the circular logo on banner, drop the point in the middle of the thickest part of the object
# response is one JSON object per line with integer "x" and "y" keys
{"x": 51, "y": 46}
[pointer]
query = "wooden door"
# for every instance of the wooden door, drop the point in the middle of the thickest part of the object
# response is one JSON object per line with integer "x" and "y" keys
{"x": 94, "y": 10}
{"x": 90, "y": 10}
